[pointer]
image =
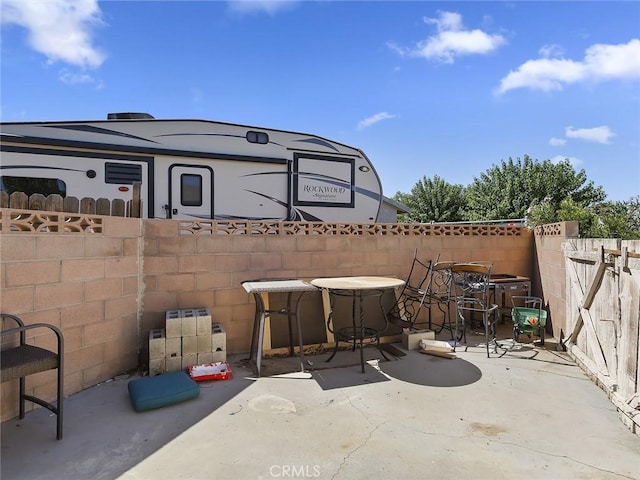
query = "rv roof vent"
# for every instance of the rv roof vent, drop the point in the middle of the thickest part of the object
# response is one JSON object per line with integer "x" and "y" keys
{"x": 129, "y": 116}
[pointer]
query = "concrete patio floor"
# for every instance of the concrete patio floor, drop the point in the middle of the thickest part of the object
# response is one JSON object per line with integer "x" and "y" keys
{"x": 530, "y": 414}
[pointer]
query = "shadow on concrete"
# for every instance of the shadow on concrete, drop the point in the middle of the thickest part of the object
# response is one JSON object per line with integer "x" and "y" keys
{"x": 427, "y": 370}
{"x": 103, "y": 436}
{"x": 351, "y": 376}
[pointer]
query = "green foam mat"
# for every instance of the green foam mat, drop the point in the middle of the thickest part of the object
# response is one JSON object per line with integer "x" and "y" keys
{"x": 161, "y": 390}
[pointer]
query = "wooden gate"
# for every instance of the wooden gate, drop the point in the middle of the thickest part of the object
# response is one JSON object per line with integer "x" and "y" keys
{"x": 603, "y": 310}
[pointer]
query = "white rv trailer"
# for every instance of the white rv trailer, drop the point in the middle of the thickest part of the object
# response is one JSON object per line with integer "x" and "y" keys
{"x": 193, "y": 169}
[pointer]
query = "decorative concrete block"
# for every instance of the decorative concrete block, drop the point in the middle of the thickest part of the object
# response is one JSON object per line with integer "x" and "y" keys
{"x": 173, "y": 364}
{"x": 188, "y": 322}
{"x": 219, "y": 356}
{"x": 411, "y": 339}
{"x": 218, "y": 338}
{"x": 205, "y": 358}
{"x": 189, "y": 360}
{"x": 173, "y": 347}
{"x": 157, "y": 342}
{"x": 157, "y": 366}
{"x": 189, "y": 345}
{"x": 173, "y": 324}
{"x": 204, "y": 343}
{"x": 203, "y": 321}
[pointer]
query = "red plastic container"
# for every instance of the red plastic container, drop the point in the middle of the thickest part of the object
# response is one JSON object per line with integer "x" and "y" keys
{"x": 210, "y": 371}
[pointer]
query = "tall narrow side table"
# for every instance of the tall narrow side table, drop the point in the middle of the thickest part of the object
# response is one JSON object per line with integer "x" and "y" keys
{"x": 260, "y": 289}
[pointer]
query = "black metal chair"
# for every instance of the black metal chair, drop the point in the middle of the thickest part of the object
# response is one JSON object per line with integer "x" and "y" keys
{"x": 472, "y": 294}
{"x": 23, "y": 359}
{"x": 438, "y": 294}
{"x": 404, "y": 312}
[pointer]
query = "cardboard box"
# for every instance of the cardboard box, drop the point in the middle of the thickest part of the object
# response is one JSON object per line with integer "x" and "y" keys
{"x": 411, "y": 338}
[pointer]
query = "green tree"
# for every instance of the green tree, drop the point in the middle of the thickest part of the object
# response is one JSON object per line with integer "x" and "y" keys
{"x": 600, "y": 220}
{"x": 508, "y": 190}
{"x": 433, "y": 200}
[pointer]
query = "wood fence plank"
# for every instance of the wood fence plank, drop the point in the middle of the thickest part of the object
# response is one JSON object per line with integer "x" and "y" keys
{"x": 583, "y": 318}
{"x": 88, "y": 206}
{"x": 103, "y": 206}
{"x": 629, "y": 336}
{"x": 136, "y": 203}
{"x": 54, "y": 203}
{"x": 71, "y": 205}
{"x": 37, "y": 201}
{"x": 118, "y": 208}
{"x": 594, "y": 285}
{"x": 19, "y": 201}
{"x": 593, "y": 341}
{"x": 588, "y": 256}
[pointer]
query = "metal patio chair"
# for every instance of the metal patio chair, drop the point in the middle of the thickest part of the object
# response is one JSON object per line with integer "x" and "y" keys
{"x": 472, "y": 294}
{"x": 438, "y": 294}
{"x": 19, "y": 361}
{"x": 404, "y": 312}
{"x": 528, "y": 316}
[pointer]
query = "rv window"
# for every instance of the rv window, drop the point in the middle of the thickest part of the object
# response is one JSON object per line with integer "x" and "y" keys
{"x": 257, "y": 137}
{"x": 123, "y": 173}
{"x": 191, "y": 190}
{"x": 45, "y": 186}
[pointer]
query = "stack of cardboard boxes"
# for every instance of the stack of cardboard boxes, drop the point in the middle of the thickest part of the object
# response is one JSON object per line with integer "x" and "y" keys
{"x": 189, "y": 338}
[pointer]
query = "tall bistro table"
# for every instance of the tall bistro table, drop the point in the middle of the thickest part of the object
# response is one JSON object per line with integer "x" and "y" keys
{"x": 260, "y": 289}
{"x": 357, "y": 288}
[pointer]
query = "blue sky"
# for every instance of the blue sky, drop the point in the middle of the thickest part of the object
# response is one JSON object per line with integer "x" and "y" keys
{"x": 423, "y": 88}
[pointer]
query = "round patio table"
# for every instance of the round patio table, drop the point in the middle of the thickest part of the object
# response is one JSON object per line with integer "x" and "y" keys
{"x": 357, "y": 288}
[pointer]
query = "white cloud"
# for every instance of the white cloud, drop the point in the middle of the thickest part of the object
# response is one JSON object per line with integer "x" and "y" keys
{"x": 71, "y": 78}
{"x": 270, "y": 7}
{"x": 59, "y": 29}
{"x": 549, "y": 51}
{"x": 575, "y": 162}
{"x": 452, "y": 40}
{"x": 601, "y": 62}
{"x": 600, "y": 134}
{"x": 557, "y": 142}
{"x": 378, "y": 117}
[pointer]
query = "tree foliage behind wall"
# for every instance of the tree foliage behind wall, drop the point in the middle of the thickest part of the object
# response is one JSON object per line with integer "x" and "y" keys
{"x": 540, "y": 192}
{"x": 600, "y": 220}
{"x": 508, "y": 190}
{"x": 434, "y": 200}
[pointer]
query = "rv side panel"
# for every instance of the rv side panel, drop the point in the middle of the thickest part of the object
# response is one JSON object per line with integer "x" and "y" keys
{"x": 78, "y": 173}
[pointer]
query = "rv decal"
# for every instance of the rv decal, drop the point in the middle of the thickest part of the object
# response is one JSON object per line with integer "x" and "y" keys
{"x": 323, "y": 181}
{"x": 104, "y": 131}
{"x": 318, "y": 141}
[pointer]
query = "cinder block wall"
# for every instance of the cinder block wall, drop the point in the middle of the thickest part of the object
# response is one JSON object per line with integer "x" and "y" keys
{"x": 549, "y": 273}
{"x": 85, "y": 283}
{"x": 187, "y": 271}
{"x": 107, "y": 287}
